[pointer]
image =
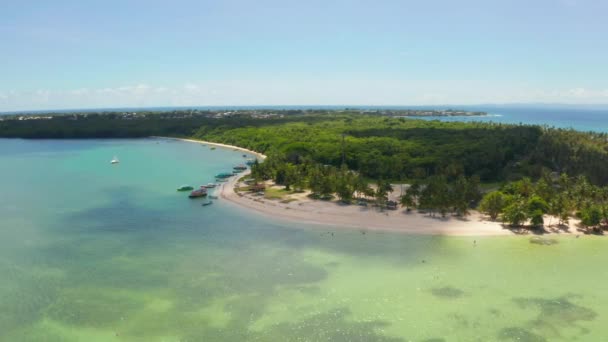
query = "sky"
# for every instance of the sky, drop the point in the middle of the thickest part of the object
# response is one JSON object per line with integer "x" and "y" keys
{"x": 65, "y": 54}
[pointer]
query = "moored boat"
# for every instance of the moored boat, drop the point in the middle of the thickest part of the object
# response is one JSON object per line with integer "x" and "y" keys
{"x": 209, "y": 185}
{"x": 240, "y": 167}
{"x": 250, "y": 161}
{"x": 198, "y": 193}
{"x": 204, "y": 204}
{"x": 185, "y": 187}
{"x": 114, "y": 160}
{"x": 224, "y": 175}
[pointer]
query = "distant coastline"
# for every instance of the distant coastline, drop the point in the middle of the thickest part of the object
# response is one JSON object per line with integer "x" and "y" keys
{"x": 487, "y": 107}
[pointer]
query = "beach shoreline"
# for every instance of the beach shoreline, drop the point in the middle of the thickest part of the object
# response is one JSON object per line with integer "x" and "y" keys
{"x": 322, "y": 214}
{"x": 203, "y": 142}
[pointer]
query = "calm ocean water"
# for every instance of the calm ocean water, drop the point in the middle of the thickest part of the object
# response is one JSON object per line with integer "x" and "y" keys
{"x": 95, "y": 252}
{"x": 583, "y": 119}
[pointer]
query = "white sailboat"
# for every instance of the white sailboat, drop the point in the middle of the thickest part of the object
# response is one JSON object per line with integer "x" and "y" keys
{"x": 115, "y": 160}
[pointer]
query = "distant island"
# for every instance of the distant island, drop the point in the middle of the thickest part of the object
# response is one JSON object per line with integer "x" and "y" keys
{"x": 528, "y": 178}
{"x": 252, "y": 113}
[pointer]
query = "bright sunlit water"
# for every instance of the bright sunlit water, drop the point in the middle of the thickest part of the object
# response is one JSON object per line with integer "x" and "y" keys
{"x": 95, "y": 252}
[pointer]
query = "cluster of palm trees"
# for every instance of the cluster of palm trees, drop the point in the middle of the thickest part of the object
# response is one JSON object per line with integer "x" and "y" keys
{"x": 519, "y": 203}
{"x": 439, "y": 195}
{"x": 559, "y": 196}
{"x": 324, "y": 181}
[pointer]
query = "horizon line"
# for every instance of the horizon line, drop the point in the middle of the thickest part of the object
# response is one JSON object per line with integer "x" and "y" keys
{"x": 301, "y": 106}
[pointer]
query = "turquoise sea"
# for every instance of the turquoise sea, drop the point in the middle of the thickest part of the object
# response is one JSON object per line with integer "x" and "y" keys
{"x": 96, "y": 252}
{"x": 580, "y": 118}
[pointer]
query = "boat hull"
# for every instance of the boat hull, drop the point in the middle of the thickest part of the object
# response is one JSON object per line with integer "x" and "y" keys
{"x": 198, "y": 193}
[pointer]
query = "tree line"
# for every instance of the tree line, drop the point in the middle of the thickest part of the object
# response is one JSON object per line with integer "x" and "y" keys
{"x": 560, "y": 196}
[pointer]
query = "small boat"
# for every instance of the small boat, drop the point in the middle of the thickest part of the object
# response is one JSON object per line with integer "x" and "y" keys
{"x": 185, "y": 188}
{"x": 207, "y": 203}
{"x": 213, "y": 197}
{"x": 114, "y": 160}
{"x": 224, "y": 175}
{"x": 210, "y": 185}
{"x": 244, "y": 156}
{"x": 240, "y": 167}
{"x": 213, "y": 148}
{"x": 222, "y": 180}
{"x": 250, "y": 161}
{"x": 198, "y": 193}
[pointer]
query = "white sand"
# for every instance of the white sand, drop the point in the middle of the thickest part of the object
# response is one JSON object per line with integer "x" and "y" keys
{"x": 202, "y": 142}
{"x": 332, "y": 213}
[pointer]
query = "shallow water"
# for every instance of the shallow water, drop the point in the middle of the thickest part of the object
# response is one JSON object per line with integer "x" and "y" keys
{"x": 95, "y": 252}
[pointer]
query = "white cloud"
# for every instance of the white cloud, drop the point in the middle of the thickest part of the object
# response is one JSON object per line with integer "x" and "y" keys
{"x": 577, "y": 92}
{"x": 300, "y": 92}
{"x": 81, "y": 91}
{"x": 583, "y": 93}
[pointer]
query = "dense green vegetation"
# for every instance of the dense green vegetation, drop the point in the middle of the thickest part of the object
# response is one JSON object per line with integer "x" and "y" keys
{"x": 561, "y": 197}
{"x": 116, "y": 125}
{"x": 405, "y": 149}
{"x": 339, "y": 154}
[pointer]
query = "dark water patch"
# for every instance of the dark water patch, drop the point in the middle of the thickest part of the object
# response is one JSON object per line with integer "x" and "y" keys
{"x": 447, "y": 292}
{"x": 246, "y": 272}
{"x": 556, "y": 314}
{"x": 538, "y": 240}
{"x": 330, "y": 326}
{"x": 309, "y": 290}
{"x": 122, "y": 214}
{"x": 558, "y": 310}
{"x": 461, "y": 320}
{"x": 35, "y": 334}
{"x": 518, "y": 334}
{"x": 101, "y": 261}
{"x": 98, "y": 308}
{"x": 135, "y": 275}
{"x": 495, "y": 312}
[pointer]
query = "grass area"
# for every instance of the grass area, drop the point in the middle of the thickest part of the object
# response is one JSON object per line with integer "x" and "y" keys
{"x": 277, "y": 194}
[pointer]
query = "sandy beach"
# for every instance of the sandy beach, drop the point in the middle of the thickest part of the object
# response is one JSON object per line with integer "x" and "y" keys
{"x": 326, "y": 213}
{"x": 333, "y": 213}
{"x": 202, "y": 142}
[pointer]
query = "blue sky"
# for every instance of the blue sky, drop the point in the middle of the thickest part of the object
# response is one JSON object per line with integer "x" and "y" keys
{"x": 88, "y": 54}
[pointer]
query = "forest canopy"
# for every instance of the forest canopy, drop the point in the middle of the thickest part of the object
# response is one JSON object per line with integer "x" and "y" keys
{"x": 375, "y": 146}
